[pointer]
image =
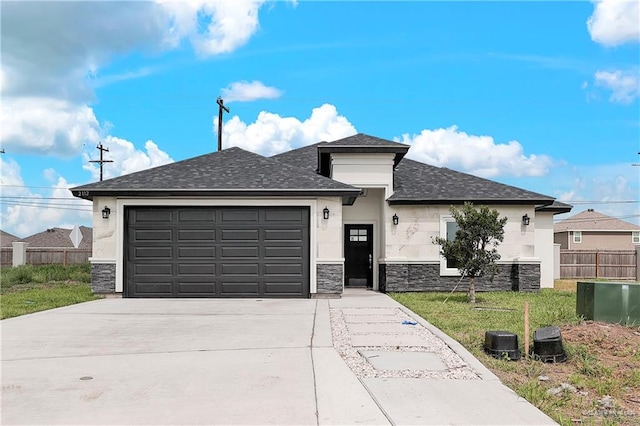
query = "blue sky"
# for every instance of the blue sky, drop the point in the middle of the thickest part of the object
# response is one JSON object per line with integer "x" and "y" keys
{"x": 540, "y": 95}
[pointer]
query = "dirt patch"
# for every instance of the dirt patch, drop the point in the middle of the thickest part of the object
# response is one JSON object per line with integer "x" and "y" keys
{"x": 599, "y": 384}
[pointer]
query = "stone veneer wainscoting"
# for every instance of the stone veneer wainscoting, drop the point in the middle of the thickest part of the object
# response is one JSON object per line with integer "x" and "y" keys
{"x": 329, "y": 278}
{"x": 401, "y": 277}
{"x": 103, "y": 278}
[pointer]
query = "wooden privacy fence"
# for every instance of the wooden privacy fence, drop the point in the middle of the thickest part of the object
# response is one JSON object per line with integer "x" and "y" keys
{"x": 613, "y": 264}
{"x": 45, "y": 256}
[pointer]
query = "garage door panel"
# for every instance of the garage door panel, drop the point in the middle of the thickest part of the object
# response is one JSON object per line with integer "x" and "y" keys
{"x": 283, "y": 234}
{"x": 240, "y": 288}
{"x": 153, "y": 269}
{"x": 196, "y": 215}
{"x": 197, "y": 269}
{"x": 152, "y": 235}
{"x": 153, "y": 215}
{"x": 197, "y": 288}
{"x": 234, "y": 252}
{"x": 154, "y": 288}
{"x": 240, "y": 215}
{"x": 196, "y": 252}
{"x": 196, "y": 235}
{"x": 240, "y": 235}
{"x": 243, "y": 269}
{"x": 293, "y": 252}
{"x": 217, "y": 252}
{"x": 280, "y": 269}
{"x": 281, "y": 215}
{"x": 153, "y": 252}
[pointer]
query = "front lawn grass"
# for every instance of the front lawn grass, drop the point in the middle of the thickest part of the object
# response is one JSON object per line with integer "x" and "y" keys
{"x": 28, "y": 288}
{"x": 603, "y": 359}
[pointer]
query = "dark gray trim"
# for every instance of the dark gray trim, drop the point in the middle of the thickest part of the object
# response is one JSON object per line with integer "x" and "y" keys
{"x": 348, "y": 196}
{"x": 508, "y": 201}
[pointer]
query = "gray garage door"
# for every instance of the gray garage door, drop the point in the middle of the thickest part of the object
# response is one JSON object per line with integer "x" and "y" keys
{"x": 217, "y": 252}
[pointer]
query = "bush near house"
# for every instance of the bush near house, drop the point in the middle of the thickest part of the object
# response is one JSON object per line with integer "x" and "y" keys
{"x": 598, "y": 385}
{"x": 27, "y": 289}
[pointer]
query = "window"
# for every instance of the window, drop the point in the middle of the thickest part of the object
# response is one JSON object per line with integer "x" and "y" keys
{"x": 577, "y": 237}
{"x": 448, "y": 228}
{"x": 635, "y": 237}
{"x": 357, "y": 235}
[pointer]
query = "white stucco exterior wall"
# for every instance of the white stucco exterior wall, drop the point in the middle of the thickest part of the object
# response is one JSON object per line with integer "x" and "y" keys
{"x": 411, "y": 239}
{"x": 545, "y": 247}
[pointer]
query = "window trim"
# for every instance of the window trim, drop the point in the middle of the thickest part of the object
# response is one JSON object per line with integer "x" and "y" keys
{"x": 635, "y": 237}
{"x": 444, "y": 271}
{"x": 577, "y": 237}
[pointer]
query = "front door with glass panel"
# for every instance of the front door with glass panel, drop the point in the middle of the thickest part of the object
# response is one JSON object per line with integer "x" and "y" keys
{"x": 358, "y": 254}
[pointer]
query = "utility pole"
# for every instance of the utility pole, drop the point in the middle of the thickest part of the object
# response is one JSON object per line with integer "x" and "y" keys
{"x": 221, "y": 107}
{"x": 101, "y": 161}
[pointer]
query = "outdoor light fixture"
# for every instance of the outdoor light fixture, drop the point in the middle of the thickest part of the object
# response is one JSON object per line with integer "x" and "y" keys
{"x": 325, "y": 213}
{"x": 525, "y": 220}
{"x": 106, "y": 212}
{"x": 395, "y": 219}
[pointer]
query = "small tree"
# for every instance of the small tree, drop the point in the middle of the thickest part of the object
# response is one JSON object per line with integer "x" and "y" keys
{"x": 474, "y": 249}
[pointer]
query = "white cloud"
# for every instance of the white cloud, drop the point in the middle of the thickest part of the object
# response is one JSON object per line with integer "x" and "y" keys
{"x": 25, "y": 212}
{"x": 624, "y": 85}
{"x": 126, "y": 158}
{"x": 611, "y": 189}
{"x": 47, "y": 87}
{"x": 271, "y": 134}
{"x": 615, "y": 22}
{"x": 478, "y": 155}
{"x": 244, "y": 91}
{"x": 40, "y": 125}
{"x": 226, "y": 24}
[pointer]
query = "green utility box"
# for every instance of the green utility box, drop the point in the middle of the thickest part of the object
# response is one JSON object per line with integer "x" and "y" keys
{"x": 617, "y": 303}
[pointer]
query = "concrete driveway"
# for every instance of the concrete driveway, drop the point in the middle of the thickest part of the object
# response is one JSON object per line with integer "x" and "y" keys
{"x": 193, "y": 361}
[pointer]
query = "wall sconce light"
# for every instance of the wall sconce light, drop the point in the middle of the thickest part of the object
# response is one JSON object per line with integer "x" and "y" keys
{"x": 106, "y": 212}
{"x": 325, "y": 213}
{"x": 525, "y": 220}
{"x": 395, "y": 219}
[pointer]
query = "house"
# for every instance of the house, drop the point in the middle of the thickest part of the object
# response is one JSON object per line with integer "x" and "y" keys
{"x": 59, "y": 238}
{"x": 7, "y": 240}
{"x": 591, "y": 230}
{"x": 350, "y": 213}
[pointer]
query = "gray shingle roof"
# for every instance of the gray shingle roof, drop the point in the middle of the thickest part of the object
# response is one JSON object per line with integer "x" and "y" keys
{"x": 364, "y": 140}
{"x": 556, "y": 207}
{"x": 233, "y": 172}
{"x": 418, "y": 183}
{"x": 305, "y": 157}
{"x": 591, "y": 220}
{"x": 6, "y": 239}
{"x": 59, "y": 237}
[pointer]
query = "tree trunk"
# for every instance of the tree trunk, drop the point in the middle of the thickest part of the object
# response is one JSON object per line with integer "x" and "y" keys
{"x": 472, "y": 290}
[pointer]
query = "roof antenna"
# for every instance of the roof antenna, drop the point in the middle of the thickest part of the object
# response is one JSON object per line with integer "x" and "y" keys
{"x": 221, "y": 107}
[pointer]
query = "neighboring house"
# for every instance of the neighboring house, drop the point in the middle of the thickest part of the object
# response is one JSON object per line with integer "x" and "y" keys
{"x": 311, "y": 221}
{"x": 7, "y": 240}
{"x": 59, "y": 238}
{"x": 590, "y": 230}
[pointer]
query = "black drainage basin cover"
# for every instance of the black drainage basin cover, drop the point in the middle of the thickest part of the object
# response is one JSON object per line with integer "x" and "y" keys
{"x": 547, "y": 345}
{"x": 501, "y": 344}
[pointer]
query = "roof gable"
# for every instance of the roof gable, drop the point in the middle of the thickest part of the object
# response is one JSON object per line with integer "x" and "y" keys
{"x": 591, "y": 220}
{"x": 232, "y": 171}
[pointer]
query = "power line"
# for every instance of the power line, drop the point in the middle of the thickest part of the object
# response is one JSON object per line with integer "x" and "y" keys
{"x": 47, "y": 206}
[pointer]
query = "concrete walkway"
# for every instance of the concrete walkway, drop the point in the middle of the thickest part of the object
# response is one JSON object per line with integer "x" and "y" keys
{"x": 196, "y": 361}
